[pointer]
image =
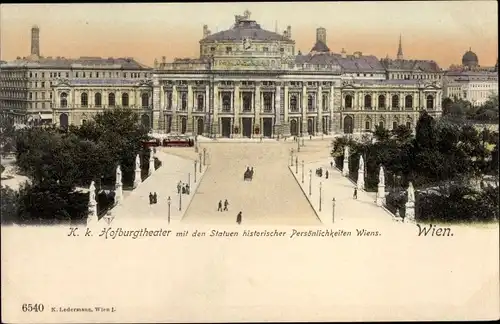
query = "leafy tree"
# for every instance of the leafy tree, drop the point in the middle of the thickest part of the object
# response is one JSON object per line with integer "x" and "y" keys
{"x": 9, "y": 205}
{"x": 424, "y": 133}
{"x": 402, "y": 134}
{"x": 381, "y": 134}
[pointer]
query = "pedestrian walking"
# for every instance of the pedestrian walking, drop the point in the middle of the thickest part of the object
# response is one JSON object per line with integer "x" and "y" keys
{"x": 326, "y": 174}
{"x": 150, "y": 198}
{"x": 238, "y": 218}
{"x": 331, "y": 164}
{"x": 220, "y": 206}
{"x": 355, "y": 194}
{"x": 155, "y": 198}
{"x": 226, "y": 203}
{"x": 179, "y": 187}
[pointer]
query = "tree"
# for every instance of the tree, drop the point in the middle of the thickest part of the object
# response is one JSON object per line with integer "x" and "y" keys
{"x": 402, "y": 134}
{"x": 381, "y": 134}
{"x": 9, "y": 205}
{"x": 425, "y": 136}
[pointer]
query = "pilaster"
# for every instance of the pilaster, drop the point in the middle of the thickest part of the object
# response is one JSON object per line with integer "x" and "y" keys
{"x": 257, "y": 108}
{"x": 175, "y": 125}
{"x": 304, "y": 109}
{"x": 237, "y": 107}
{"x": 319, "y": 123}
{"x": 189, "y": 126}
{"x": 215, "y": 112}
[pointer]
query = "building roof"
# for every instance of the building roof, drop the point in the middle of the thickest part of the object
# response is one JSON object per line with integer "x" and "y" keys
{"x": 470, "y": 59}
{"x": 81, "y": 62}
{"x": 246, "y": 29}
{"x": 320, "y": 47}
{"x": 350, "y": 63}
{"x": 411, "y": 65}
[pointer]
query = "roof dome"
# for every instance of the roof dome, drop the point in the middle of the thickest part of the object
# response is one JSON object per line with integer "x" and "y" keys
{"x": 470, "y": 59}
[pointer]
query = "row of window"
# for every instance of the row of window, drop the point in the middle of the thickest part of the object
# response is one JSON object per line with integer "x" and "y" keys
{"x": 84, "y": 100}
{"x": 415, "y": 76}
{"x": 93, "y": 74}
{"x": 395, "y": 104}
{"x": 37, "y": 94}
{"x": 13, "y": 94}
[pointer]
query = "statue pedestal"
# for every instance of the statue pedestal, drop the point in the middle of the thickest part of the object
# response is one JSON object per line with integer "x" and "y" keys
{"x": 151, "y": 167}
{"x": 345, "y": 168}
{"x": 381, "y": 196}
{"x": 118, "y": 193}
{"x": 92, "y": 217}
{"x": 410, "y": 212}
{"x": 137, "y": 178}
{"x": 361, "y": 181}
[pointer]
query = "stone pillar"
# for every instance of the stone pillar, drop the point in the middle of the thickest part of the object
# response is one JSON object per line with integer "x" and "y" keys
{"x": 345, "y": 166}
{"x": 156, "y": 104}
{"x": 151, "y": 162}
{"x": 137, "y": 178}
{"x": 118, "y": 186}
{"x": 334, "y": 106}
{"x": 215, "y": 116}
{"x": 381, "y": 187}
{"x": 410, "y": 205}
{"x": 190, "y": 101}
{"x": 237, "y": 110}
{"x": 160, "y": 109}
{"x": 92, "y": 207}
{"x": 258, "y": 108}
{"x": 286, "y": 119}
{"x": 361, "y": 174}
{"x": 277, "y": 111}
{"x": 304, "y": 109}
{"x": 319, "y": 123}
{"x": 175, "y": 126}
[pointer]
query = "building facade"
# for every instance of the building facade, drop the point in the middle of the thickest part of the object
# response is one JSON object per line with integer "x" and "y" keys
{"x": 46, "y": 90}
{"x": 250, "y": 82}
{"x": 470, "y": 81}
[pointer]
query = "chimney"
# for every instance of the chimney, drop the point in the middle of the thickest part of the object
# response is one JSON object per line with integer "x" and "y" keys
{"x": 343, "y": 54}
{"x": 289, "y": 31}
{"x": 35, "y": 40}
{"x": 321, "y": 35}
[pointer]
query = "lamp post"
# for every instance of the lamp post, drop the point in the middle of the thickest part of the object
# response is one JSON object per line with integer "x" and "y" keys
{"x": 320, "y": 184}
{"x": 168, "y": 202}
{"x": 298, "y": 144}
{"x": 303, "y": 142}
{"x": 180, "y": 200}
{"x": 291, "y": 156}
{"x": 302, "y": 171}
{"x": 200, "y": 160}
{"x": 333, "y": 210}
{"x": 310, "y": 181}
{"x": 296, "y": 164}
{"x": 189, "y": 179}
{"x": 204, "y": 156}
{"x": 195, "y": 162}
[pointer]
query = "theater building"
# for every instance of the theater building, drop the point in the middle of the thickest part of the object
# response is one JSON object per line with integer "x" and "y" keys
{"x": 248, "y": 81}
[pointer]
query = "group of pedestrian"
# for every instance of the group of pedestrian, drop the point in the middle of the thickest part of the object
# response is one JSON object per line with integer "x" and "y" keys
{"x": 183, "y": 188}
{"x": 319, "y": 173}
{"x": 226, "y": 204}
{"x": 153, "y": 198}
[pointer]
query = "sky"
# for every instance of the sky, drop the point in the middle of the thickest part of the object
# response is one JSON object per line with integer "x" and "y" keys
{"x": 441, "y": 31}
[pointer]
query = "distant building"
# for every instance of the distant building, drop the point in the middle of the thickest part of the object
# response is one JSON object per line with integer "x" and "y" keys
{"x": 249, "y": 81}
{"x": 38, "y": 90}
{"x": 470, "y": 81}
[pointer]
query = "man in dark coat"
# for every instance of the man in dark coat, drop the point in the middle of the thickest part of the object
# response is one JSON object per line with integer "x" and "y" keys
{"x": 155, "y": 198}
{"x": 238, "y": 218}
{"x": 150, "y": 198}
{"x": 226, "y": 203}
{"x": 220, "y": 206}
{"x": 355, "y": 194}
{"x": 326, "y": 174}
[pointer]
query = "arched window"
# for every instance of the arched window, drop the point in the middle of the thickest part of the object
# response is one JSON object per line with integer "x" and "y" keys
{"x": 184, "y": 101}
{"x": 267, "y": 102}
{"x": 367, "y": 125}
{"x": 408, "y": 102}
{"x": 348, "y": 102}
{"x": 145, "y": 100}
{"x": 64, "y": 100}
{"x": 395, "y": 102}
{"x": 98, "y": 99}
{"x": 408, "y": 124}
{"x": 293, "y": 103}
{"x": 394, "y": 125}
{"x": 368, "y": 102}
{"x": 125, "y": 100}
{"x": 381, "y": 124}
{"x": 310, "y": 102}
{"x": 111, "y": 100}
{"x": 169, "y": 101}
{"x": 430, "y": 102}
{"x": 247, "y": 102}
{"x": 381, "y": 102}
{"x": 84, "y": 100}
{"x": 226, "y": 103}
{"x": 200, "y": 102}
{"x": 324, "y": 102}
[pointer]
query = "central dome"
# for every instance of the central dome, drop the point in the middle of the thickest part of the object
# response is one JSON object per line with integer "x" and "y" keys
{"x": 244, "y": 28}
{"x": 470, "y": 59}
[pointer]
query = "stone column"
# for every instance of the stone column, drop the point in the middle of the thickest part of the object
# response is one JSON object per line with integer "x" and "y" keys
{"x": 175, "y": 126}
{"x": 157, "y": 107}
{"x": 215, "y": 116}
{"x": 381, "y": 187}
{"x": 304, "y": 109}
{"x": 286, "y": 121}
{"x": 277, "y": 111}
{"x": 258, "y": 108}
{"x": 118, "y": 186}
{"x": 92, "y": 207}
{"x": 334, "y": 106}
{"x": 319, "y": 123}
{"x": 410, "y": 205}
{"x": 190, "y": 101}
{"x": 137, "y": 178}
{"x": 237, "y": 110}
{"x": 151, "y": 162}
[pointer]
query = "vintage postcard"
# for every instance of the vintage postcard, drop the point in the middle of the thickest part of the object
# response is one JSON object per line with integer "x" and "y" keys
{"x": 235, "y": 162}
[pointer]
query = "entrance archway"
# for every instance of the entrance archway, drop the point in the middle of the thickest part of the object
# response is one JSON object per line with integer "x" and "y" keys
{"x": 247, "y": 127}
{"x": 294, "y": 129}
{"x": 348, "y": 125}
{"x": 199, "y": 126}
{"x": 225, "y": 127}
{"x": 183, "y": 125}
{"x": 310, "y": 126}
{"x": 63, "y": 120}
{"x": 324, "y": 125}
{"x": 267, "y": 127}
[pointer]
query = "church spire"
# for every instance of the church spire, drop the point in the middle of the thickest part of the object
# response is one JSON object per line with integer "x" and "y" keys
{"x": 400, "y": 49}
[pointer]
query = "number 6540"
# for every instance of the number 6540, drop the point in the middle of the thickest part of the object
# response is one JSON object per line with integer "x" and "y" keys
{"x": 33, "y": 307}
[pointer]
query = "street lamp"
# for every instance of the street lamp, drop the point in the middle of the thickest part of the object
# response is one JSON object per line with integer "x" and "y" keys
{"x": 200, "y": 160}
{"x": 296, "y": 164}
{"x": 302, "y": 171}
{"x": 303, "y": 142}
{"x": 189, "y": 179}
{"x": 204, "y": 156}
{"x": 310, "y": 181}
{"x": 320, "y": 184}
{"x": 298, "y": 144}
{"x": 333, "y": 210}
{"x": 195, "y": 162}
{"x": 168, "y": 202}
{"x": 180, "y": 199}
{"x": 291, "y": 156}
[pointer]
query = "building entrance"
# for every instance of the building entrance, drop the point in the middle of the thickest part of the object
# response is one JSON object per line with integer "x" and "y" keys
{"x": 247, "y": 127}
{"x": 225, "y": 127}
{"x": 267, "y": 127}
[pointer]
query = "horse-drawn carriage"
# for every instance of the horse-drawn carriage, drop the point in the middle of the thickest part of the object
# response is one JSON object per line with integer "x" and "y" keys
{"x": 248, "y": 175}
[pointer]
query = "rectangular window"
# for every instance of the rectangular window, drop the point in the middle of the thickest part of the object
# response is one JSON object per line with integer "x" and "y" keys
{"x": 97, "y": 74}
{"x": 43, "y": 84}
{"x": 43, "y": 74}
{"x": 265, "y": 49}
{"x": 67, "y": 74}
{"x": 228, "y": 49}
{"x": 43, "y": 105}
{"x": 77, "y": 75}
{"x": 59, "y": 74}
{"x": 43, "y": 95}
